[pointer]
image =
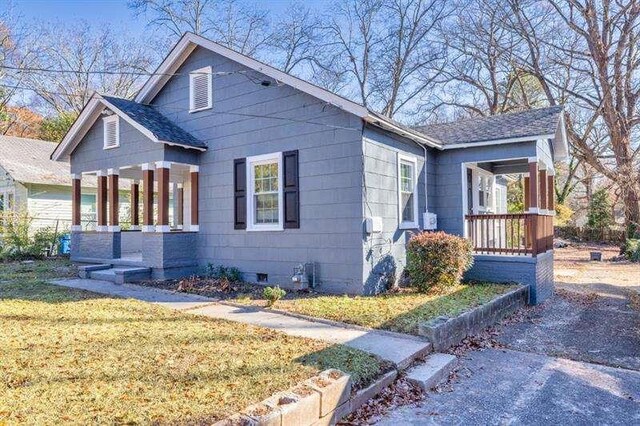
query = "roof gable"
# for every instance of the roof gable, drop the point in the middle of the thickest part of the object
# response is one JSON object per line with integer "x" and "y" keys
{"x": 144, "y": 118}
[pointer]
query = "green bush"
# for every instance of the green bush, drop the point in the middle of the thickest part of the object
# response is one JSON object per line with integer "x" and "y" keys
{"x": 273, "y": 294}
{"x": 632, "y": 250}
{"x": 17, "y": 242}
{"x": 232, "y": 274}
{"x": 437, "y": 259}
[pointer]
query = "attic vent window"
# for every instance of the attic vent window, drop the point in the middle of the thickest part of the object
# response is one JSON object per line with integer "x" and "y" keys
{"x": 111, "y": 132}
{"x": 200, "y": 89}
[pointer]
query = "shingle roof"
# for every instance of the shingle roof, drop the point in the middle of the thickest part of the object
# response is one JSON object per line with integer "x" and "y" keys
{"x": 155, "y": 122}
{"x": 536, "y": 122}
{"x": 27, "y": 161}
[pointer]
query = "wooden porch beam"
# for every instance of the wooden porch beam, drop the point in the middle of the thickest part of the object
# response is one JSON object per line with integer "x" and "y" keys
{"x": 76, "y": 202}
{"x": 162, "y": 176}
{"x": 114, "y": 200}
{"x": 135, "y": 205}
{"x": 101, "y": 202}
{"x": 194, "y": 173}
{"x": 147, "y": 201}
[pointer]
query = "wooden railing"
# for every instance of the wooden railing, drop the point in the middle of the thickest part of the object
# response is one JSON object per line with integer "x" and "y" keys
{"x": 519, "y": 233}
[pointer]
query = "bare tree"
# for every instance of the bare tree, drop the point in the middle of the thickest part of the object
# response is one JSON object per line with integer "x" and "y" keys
{"x": 295, "y": 38}
{"x": 232, "y": 23}
{"x": 412, "y": 55}
{"x": 75, "y": 61}
{"x": 589, "y": 57}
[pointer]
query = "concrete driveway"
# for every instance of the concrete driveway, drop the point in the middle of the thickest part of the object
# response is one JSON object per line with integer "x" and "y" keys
{"x": 573, "y": 360}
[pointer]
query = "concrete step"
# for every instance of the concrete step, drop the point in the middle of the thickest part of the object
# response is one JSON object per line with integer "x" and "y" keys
{"x": 435, "y": 369}
{"x": 84, "y": 271}
{"x": 121, "y": 275}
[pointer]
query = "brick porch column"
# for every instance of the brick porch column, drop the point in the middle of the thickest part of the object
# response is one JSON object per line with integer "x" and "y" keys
{"x": 101, "y": 202}
{"x": 114, "y": 200}
{"x": 194, "y": 173}
{"x": 162, "y": 176}
{"x": 135, "y": 205}
{"x": 76, "y": 202}
{"x": 147, "y": 188}
{"x": 180, "y": 206}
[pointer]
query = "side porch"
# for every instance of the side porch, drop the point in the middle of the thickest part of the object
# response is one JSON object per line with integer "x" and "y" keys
{"x": 509, "y": 210}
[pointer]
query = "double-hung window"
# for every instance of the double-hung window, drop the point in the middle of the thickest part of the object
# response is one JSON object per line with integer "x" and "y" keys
{"x": 265, "y": 199}
{"x": 407, "y": 192}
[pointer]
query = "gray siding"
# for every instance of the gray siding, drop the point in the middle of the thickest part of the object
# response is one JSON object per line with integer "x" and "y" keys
{"x": 449, "y": 192}
{"x": 384, "y": 252}
{"x": 135, "y": 148}
{"x": 330, "y": 158}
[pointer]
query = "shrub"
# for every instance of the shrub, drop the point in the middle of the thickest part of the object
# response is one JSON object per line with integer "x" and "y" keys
{"x": 600, "y": 212}
{"x": 632, "y": 249}
{"x": 563, "y": 215}
{"x": 273, "y": 294}
{"x": 232, "y": 274}
{"x": 437, "y": 259}
{"x": 17, "y": 242}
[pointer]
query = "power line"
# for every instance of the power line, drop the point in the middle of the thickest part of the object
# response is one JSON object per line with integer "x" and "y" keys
{"x": 108, "y": 72}
{"x": 213, "y": 112}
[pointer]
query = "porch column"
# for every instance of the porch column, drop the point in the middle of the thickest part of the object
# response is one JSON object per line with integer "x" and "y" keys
{"x": 76, "y": 202}
{"x": 135, "y": 205}
{"x": 533, "y": 185}
{"x": 527, "y": 196}
{"x": 551, "y": 202}
{"x": 179, "y": 206}
{"x": 147, "y": 188}
{"x": 114, "y": 200}
{"x": 101, "y": 202}
{"x": 162, "y": 169}
{"x": 543, "y": 191}
{"x": 194, "y": 177}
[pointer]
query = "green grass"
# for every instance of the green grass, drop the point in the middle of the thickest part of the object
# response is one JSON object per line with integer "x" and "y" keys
{"x": 70, "y": 356}
{"x": 401, "y": 312}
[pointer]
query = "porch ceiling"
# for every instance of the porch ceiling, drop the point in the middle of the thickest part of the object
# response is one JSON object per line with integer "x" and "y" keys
{"x": 505, "y": 167}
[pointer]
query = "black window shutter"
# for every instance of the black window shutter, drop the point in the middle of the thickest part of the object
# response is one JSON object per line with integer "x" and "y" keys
{"x": 291, "y": 190}
{"x": 240, "y": 193}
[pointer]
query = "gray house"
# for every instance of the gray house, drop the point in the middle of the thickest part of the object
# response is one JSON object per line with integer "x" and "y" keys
{"x": 234, "y": 162}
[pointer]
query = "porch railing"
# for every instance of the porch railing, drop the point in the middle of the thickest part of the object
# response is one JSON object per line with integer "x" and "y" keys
{"x": 515, "y": 234}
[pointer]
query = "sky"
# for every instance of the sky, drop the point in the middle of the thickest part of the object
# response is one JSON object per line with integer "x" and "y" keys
{"x": 113, "y": 12}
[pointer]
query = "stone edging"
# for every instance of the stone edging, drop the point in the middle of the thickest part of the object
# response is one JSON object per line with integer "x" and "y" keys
{"x": 324, "y": 399}
{"x": 444, "y": 332}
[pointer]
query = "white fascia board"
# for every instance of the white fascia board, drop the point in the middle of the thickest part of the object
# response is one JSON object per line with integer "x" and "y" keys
{"x": 387, "y": 125}
{"x": 561, "y": 143}
{"x": 499, "y": 141}
{"x": 78, "y": 128}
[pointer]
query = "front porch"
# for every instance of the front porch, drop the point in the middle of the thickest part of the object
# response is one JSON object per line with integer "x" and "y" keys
{"x": 160, "y": 230}
{"x": 511, "y": 246}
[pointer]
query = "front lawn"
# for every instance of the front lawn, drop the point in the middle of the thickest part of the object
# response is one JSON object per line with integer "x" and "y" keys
{"x": 73, "y": 356}
{"x": 401, "y": 311}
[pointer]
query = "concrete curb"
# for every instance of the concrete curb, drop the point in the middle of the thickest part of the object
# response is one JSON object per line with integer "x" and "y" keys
{"x": 444, "y": 332}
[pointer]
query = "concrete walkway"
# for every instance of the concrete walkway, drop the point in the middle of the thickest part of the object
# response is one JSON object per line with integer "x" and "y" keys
{"x": 399, "y": 350}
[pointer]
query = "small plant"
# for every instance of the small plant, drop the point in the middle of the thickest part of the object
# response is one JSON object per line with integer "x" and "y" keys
{"x": 437, "y": 259}
{"x": 632, "y": 250}
{"x": 232, "y": 273}
{"x": 273, "y": 294}
{"x": 17, "y": 242}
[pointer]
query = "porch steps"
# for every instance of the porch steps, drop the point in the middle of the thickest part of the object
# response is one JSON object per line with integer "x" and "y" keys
{"x": 435, "y": 369}
{"x": 85, "y": 270}
{"x": 120, "y": 275}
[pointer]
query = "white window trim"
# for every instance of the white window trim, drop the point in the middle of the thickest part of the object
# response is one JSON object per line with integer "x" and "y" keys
{"x": 208, "y": 70}
{"x": 415, "y": 223}
{"x": 106, "y": 120}
{"x": 264, "y": 159}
